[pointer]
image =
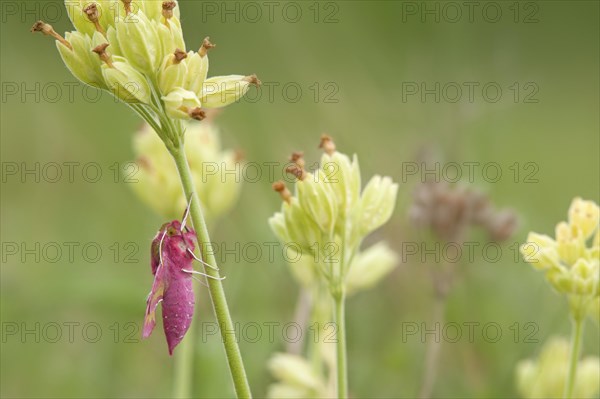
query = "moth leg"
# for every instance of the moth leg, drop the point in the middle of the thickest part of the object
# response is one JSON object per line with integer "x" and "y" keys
{"x": 200, "y": 281}
{"x": 201, "y": 261}
{"x": 160, "y": 247}
{"x": 186, "y": 213}
{"x": 202, "y": 274}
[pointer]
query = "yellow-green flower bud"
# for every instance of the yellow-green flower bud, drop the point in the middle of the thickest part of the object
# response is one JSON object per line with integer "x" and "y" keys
{"x": 301, "y": 228}
{"x": 111, "y": 35}
{"x": 170, "y": 36}
{"x": 540, "y": 251}
{"x": 183, "y": 104}
{"x": 318, "y": 199}
{"x": 139, "y": 42}
{"x": 220, "y": 91}
{"x": 344, "y": 176}
{"x": 75, "y": 10}
{"x": 126, "y": 82}
{"x": 197, "y": 69}
{"x": 584, "y": 215}
{"x": 369, "y": 267}
{"x": 377, "y": 203}
{"x": 81, "y": 61}
{"x": 173, "y": 71}
{"x": 278, "y": 225}
{"x": 570, "y": 242}
{"x": 585, "y": 277}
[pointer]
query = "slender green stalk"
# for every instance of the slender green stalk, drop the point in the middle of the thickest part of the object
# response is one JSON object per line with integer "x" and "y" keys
{"x": 576, "y": 334}
{"x": 184, "y": 362}
{"x": 342, "y": 371}
{"x": 433, "y": 349}
{"x": 441, "y": 276}
{"x": 234, "y": 358}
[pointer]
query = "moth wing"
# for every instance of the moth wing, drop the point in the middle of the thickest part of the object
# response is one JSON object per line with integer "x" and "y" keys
{"x": 154, "y": 298}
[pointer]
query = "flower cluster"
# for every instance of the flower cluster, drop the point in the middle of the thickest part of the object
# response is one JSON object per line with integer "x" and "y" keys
{"x": 135, "y": 49}
{"x": 450, "y": 210}
{"x": 329, "y": 216}
{"x": 570, "y": 260}
{"x": 156, "y": 172}
{"x": 297, "y": 378}
{"x": 545, "y": 377}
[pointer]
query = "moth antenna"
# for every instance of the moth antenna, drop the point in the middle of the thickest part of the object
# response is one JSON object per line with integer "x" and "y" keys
{"x": 200, "y": 281}
{"x": 160, "y": 247}
{"x": 201, "y": 261}
{"x": 202, "y": 274}
{"x": 187, "y": 212}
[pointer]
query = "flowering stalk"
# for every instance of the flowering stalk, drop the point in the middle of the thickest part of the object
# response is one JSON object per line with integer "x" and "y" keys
{"x": 234, "y": 357}
{"x": 342, "y": 367}
{"x": 576, "y": 334}
{"x": 328, "y": 218}
{"x": 138, "y": 54}
{"x": 571, "y": 264}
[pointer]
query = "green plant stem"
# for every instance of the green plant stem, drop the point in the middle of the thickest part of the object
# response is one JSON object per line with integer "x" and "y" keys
{"x": 433, "y": 348}
{"x": 184, "y": 362}
{"x": 576, "y": 334}
{"x": 342, "y": 372}
{"x": 217, "y": 294}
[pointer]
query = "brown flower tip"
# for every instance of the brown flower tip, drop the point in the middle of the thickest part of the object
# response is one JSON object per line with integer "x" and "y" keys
{"x": 167, "y": 9}
{"x": 206, "y": 45}
{"x": 297, "y": 157}
{"x": 103, "y": 54}
{"x": 180, "y": 55}
{"x": 94, "y": 16}
{"x": 297, "y": 171}
{"x": 239, "y": 155}
{"x": 46, "y": 29}
{"x": 127, "y": 4}
{"x": 327, "y": 144}
{"x": 91, "y": 10}
{"x": 280, "y": 187}
{"x": 197, "y": 114}
{"x": 144, "y": 163}
{"x": 253, "y": 80}
{"x": 41, "y": 26}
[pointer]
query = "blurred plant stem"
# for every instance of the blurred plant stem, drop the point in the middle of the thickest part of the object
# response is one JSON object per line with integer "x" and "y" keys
{"x": 576, "y": 333}
{"x": 302, "y": 315}
{"x": 441, "y": 283}
{"x": 184, "y": 364}
{"x": 217, "y": 294}
{"x": 342, "y": 372}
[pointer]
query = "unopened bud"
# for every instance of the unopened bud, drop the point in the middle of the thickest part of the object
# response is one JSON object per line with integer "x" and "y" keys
{"x": 94, "y": 16}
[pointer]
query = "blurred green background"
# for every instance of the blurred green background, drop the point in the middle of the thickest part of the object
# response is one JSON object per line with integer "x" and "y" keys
{"x": 368, "y": 52}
